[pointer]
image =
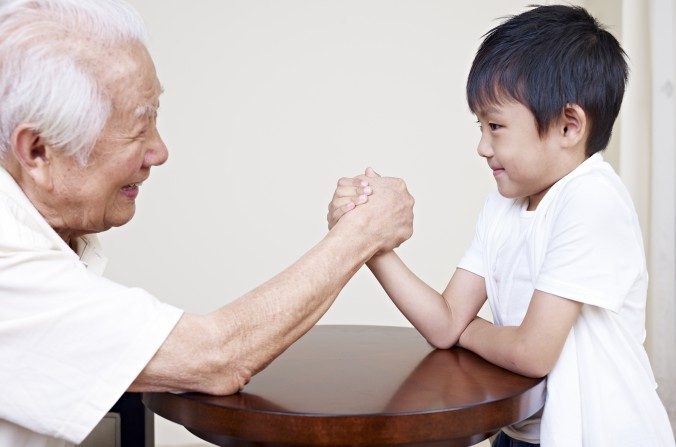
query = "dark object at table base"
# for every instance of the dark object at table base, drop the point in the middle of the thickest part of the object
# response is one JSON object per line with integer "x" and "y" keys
{"x": 136, "y": 421}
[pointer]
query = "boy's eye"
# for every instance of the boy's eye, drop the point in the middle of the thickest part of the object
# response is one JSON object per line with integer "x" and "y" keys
{"x": 494, "y": 126}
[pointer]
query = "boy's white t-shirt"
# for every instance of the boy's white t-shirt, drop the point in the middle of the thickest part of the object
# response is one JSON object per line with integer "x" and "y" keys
{"x": 583, "y": 243}
{"x": 71, "y": 342}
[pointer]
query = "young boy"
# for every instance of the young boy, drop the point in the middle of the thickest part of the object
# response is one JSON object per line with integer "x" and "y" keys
{"x": 558, "y": 252}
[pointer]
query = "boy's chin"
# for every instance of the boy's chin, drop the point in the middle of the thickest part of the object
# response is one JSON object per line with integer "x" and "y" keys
{"x": 506, "y": 193}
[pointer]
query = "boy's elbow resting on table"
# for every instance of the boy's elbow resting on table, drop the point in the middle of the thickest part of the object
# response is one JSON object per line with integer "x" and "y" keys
{"x": 443, "y": 340}
{"x": 530, "y": 358}
{"x": 440, "y": 344}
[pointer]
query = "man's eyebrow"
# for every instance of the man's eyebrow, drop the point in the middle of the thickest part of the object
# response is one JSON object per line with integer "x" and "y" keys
{"x": 146, "y": 110}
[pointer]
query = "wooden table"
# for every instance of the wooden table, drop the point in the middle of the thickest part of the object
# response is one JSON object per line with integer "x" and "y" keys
{"x": 361, "y": 386}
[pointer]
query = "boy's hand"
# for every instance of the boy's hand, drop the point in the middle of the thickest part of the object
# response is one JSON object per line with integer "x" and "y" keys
{"x": 350, "y": 193}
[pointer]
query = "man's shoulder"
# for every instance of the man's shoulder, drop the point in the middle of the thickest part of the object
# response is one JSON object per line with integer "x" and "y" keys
{"x": 19, "y": 228}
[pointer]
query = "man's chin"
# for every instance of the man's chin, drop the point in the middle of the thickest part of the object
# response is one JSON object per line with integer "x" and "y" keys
{"x": 120, "y": 219}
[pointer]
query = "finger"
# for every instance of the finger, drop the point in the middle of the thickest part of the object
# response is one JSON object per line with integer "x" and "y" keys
{"x": 352, "y": 181}
{"x": 371, "y": 173}
{"x": 339, "y": 202}
{"x": 336, "y": 214}
{"x": 349, "y": 191}
{"x": 342, "y": 201}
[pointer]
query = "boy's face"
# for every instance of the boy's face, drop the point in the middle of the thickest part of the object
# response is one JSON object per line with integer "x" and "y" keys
{"x": 523, "y": 163}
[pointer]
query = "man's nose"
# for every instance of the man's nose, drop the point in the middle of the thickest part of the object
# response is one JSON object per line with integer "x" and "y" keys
{"x": 157, "y": 154}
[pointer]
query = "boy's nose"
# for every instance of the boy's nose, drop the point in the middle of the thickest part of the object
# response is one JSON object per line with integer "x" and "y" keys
{"x": 484, "y": 148}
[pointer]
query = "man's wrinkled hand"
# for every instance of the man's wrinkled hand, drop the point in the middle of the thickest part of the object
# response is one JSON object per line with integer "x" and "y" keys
{"x": 349, "y": 193}
{"x": 387, "y": 214}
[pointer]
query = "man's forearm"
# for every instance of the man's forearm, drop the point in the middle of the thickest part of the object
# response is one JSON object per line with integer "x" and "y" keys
{"x": 257, "y": 327}
{"x": 218, "y": 353}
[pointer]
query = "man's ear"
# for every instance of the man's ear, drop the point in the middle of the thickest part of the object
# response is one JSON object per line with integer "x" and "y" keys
{"x": 32, "y": 154}
{"x": 573, "y": 125}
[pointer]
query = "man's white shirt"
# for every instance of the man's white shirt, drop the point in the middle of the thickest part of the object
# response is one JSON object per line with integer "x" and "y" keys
{"x": 71, "y": 341}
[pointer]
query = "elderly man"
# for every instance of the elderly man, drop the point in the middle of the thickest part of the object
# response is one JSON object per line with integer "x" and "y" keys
{"x": 78, "y": 102}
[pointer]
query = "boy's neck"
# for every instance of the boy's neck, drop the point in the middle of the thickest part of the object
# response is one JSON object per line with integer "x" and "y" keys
{"x": 568, "y": 166}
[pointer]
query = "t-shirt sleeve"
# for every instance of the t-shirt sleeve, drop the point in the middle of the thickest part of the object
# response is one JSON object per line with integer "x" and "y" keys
{"x": 594, "y": 251}
{"x": 473, "y": 259}
{"x": 71, "y": 342}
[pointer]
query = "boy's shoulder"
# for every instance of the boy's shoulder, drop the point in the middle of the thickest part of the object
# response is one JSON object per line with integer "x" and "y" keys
{"x": 592, "y": 189}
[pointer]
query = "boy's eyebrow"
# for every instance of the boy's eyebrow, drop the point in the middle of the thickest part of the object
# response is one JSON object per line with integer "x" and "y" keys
{"x": 490, "y": 110}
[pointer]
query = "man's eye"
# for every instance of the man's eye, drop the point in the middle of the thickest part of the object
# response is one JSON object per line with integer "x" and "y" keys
{"x": 494, "y": 126}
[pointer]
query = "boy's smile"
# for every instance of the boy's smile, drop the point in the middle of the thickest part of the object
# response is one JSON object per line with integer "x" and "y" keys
{"x": 525, "y": 164}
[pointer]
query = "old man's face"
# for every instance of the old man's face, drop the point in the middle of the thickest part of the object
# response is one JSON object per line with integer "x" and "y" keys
{"x": 102, "y": 194}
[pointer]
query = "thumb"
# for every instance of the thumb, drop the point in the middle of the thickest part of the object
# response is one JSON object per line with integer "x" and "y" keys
{"x": 371, "y": 173}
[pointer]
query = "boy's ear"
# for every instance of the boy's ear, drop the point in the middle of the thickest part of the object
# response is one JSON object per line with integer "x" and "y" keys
{"x": 32, "y": 154}
{"x": 573, "y": 125}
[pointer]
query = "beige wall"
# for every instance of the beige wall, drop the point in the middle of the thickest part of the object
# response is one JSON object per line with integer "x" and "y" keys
{"x": 267, "y": 103}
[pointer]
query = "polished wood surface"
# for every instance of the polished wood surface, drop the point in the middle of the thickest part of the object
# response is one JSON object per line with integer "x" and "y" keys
{"x": 361, "y": 386}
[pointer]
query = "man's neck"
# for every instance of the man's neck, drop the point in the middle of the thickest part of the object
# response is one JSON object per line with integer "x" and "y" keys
{"x": 25, "y": 183}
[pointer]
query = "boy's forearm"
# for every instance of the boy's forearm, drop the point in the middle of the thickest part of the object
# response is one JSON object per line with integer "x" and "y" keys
{"x": 534, "y": 347}
{"x": 424, "y": 307}
{"x": 504, "y": 346}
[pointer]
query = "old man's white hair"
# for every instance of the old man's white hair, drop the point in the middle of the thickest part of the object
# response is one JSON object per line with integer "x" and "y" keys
{"x": 46, "y": 67}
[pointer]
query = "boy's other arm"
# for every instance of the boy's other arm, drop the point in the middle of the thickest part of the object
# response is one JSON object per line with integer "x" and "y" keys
{"x": 533, "y": 348}
{"x": 439, "y": 317}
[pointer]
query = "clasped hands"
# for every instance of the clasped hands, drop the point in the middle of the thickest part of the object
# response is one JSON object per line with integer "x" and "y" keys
{"x": 381, "y": 205}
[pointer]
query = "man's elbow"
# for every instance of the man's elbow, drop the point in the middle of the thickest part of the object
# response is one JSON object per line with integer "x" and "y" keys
{"x": 223, "y": 365}
{"x": 227, "y": 382}
{"x": 224, "y": 373}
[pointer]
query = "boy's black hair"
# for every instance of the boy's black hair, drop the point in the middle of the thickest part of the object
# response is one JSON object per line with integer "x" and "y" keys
{"x": 547, "y": 57}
